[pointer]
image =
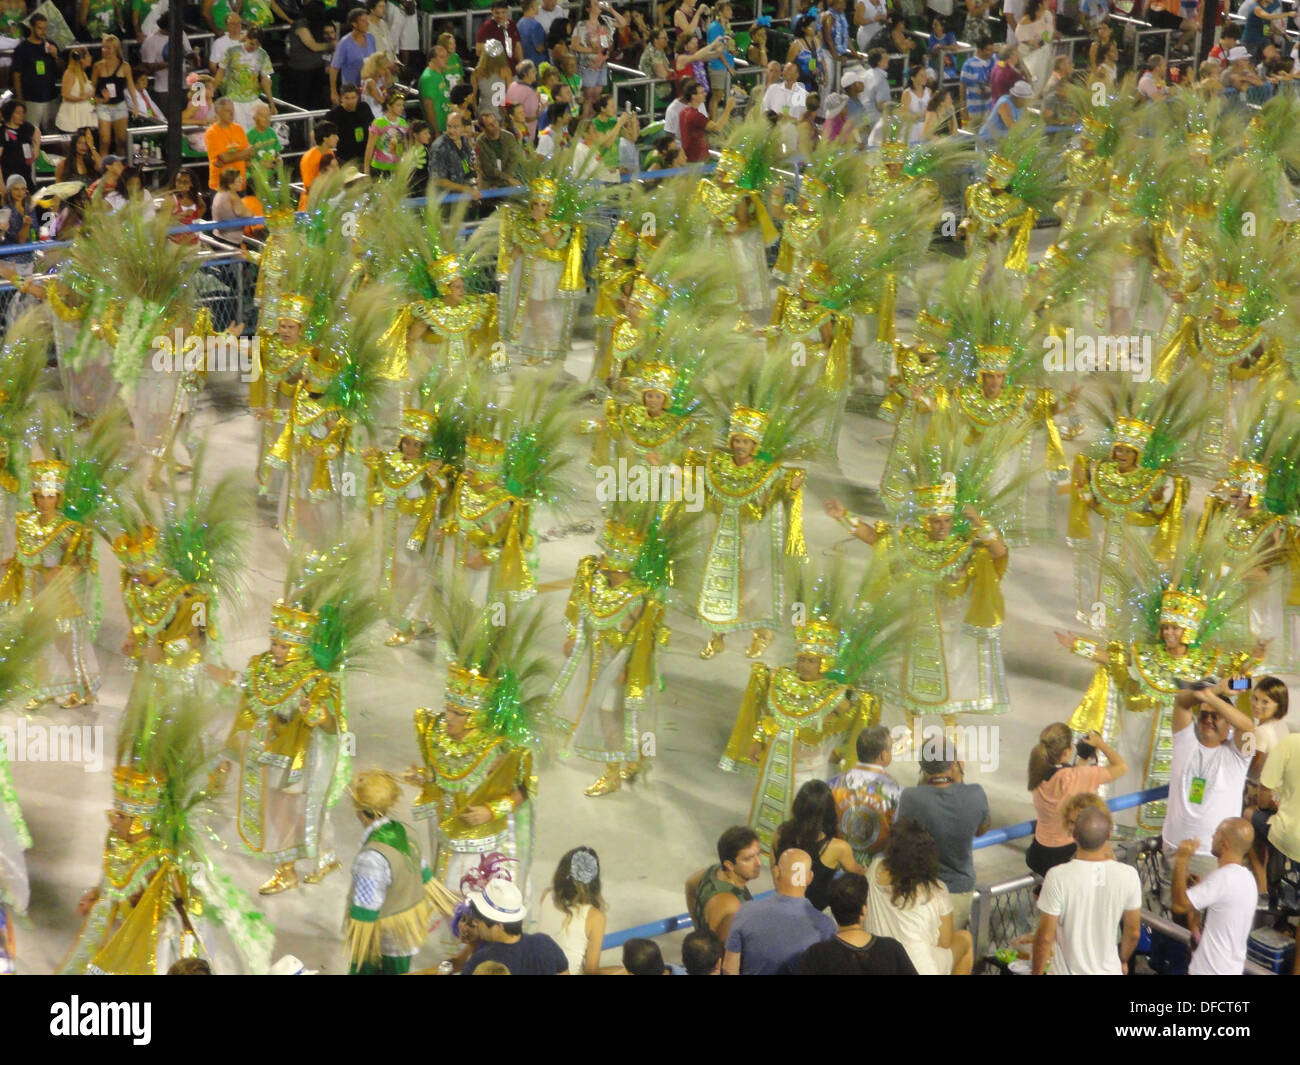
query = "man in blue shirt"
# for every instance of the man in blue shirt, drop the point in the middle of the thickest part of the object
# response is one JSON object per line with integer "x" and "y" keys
{"x": 976, "y": 93}
{"x": 720, "y": 69}
{"x": 768, "y": 935}
{"x": 352, "y": 50}
{"x": 531, "y": 35}
{"x": 1257, "y": 13}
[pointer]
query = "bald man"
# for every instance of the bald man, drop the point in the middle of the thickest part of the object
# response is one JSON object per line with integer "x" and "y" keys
{"x": 768, "y": 935}
{"x": 1221, "y": 906}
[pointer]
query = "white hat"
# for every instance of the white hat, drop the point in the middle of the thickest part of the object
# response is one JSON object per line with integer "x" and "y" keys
{"x": 1022, "y": 89}
{"x": 290, "y": 966}
{"x": 853, "y": 77}
{"x": 1238, "y": 53}
{"x": 835, "y": 103}
{"x": 500, "y": 900}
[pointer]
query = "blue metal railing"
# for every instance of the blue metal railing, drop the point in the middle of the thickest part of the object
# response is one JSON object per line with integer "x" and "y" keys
{"x": 991, "y": 838}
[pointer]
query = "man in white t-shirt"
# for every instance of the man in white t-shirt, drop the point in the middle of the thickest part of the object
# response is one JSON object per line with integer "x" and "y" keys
{"x": 549, "y": 12}
{"x": 1222, "y": 903}
{"x": 153, "y": 59}
{"x": 787, "y": 98}
{"x": 1207, "y": 773}
{"x": 233, "y": 37}
{"x": 1084, "y": 903}
{"x": 673, "y": 113}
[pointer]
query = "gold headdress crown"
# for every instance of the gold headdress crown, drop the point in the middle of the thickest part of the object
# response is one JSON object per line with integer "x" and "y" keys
{"x": 1186, "y": 609}
{"x": 1094, "y": 128}
{"x": 447, "y": 268}
{"x": 1000, "y": 168}
{"x": 658, "y": 377}
{"x": 1248, "y": 477}
{"x": 544, "y": 189}
{"x": 730, "y": 164}
{"x": 623, "y": 241}
{"x": 894, "y": 151}
{"x": 817, "y": 637}
{"x": 418, "y": 424}
{"x": 1200, "y": 141}
{"x": 937, "y": 500}
{"x": 1133, "y": 432}
{"x": 139, "y": 553}
{"x": 1229, "y": 295}
{"x": 136, "y": 793}
{"x": 621, "y": 544}
{"x": 485, "y": 456}
{"x": 467, "y": 690}
{"x": 319, "y": 371}
{"x": 292, "y": 625}
{"x": 996, "y": 358}
{"x": 293, "y": 307}
{"x": 748, "y": 422}
{"x": 49, "y": 477}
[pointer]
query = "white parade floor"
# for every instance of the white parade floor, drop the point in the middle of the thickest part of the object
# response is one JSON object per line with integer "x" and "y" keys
{"x": 649, "y": 836}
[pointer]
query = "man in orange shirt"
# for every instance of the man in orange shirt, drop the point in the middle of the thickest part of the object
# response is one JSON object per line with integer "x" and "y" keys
{"x": 327, "y": 139}
{"x": 227, "y": 144}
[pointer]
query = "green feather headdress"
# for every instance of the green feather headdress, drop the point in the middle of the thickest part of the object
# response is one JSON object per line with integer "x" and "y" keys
{"x": 97, "y": 456}
{"x": 204, "y": 532}
{"x": 1038, "y": 177}
{"x": 997, "y": 317}
{"x": 336, "y": 585}
{"x": 786, "y": 394}
{"x": 537, "y": 429}
{"x": 1267, "y": 433}
{"x": 1174, "y": 411}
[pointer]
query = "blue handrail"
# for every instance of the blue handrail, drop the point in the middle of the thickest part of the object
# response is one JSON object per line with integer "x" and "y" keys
{"x": 991, "y": 838}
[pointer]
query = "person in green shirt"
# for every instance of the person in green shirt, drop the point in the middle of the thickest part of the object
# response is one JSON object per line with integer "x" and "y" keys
{"x": 245, "y": 71}
{"x": 262, "y": 138}
{"x": 434, "y": 89}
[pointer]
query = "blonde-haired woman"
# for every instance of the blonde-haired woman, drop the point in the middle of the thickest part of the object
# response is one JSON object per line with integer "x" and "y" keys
{"x": 111, "y": 76}
{"x": 377, "y": 81}
{"x": 1053, "y": 779}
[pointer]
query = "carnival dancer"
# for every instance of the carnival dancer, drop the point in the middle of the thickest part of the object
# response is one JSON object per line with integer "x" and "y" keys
{"x": 22, "y": 365}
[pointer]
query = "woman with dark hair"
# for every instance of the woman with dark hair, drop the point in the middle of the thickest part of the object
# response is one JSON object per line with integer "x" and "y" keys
{"x": 907, "y": 901}
{"x": 572, "y": 911}
{"x": 187, "y": 205}
{"x": 82, "y": 162}
{"x": 1053, "y": 780}
{"x": 804, "y": 53}
{"x": 304, "y": 80}
{"x": 812, "y": 827}
{"x": 21, "y": 141}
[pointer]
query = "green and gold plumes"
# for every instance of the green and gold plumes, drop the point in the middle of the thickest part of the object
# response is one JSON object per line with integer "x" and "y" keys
{"x": 273, "y": 187}
{"x": 1038, "y": 177}
{"x": 785, "y": 394}
{"x": 1172, "y": 413}
{"x": 890, "y": 239}
{"x": 98, "y": 457}
{"x": 204, "y": 532}
{"x": 669, "y": 541}
{"x": 996, "y": 329}
{"x": 361, "y": 381}
{"x": 756, "y": 148}
{"x": 1264, "y": 441}
{"x": 336, "y": 585}
{"x": 22, "y": 364}
{"x": 537, "y": 431}
{"x": 1107, "y": 115}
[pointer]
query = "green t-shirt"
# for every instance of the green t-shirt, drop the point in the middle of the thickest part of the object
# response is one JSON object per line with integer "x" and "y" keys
{"x": 609, "y": 155}
{"x": 265, "y": 145}
{"x": 433, "y": 87}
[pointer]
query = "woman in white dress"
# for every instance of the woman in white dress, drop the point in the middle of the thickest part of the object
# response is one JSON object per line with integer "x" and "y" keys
{"x": 916, "y": 99}
{"x": 907, "y": 901}
{"x": 1035, "y": 32}
{"x": 572, "y": 911}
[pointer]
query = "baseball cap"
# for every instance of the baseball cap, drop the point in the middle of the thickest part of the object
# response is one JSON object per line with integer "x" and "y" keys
{"x": 499, "y": 900}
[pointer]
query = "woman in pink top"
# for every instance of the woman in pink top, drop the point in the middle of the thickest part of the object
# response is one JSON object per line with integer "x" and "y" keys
{"x": 1053, "y": 780}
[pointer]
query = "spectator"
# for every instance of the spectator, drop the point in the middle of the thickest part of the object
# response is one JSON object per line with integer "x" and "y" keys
{"x": 1056, "y": 108}
{"x": 787, "y": 99}
{"x": 630, "y": 39}
{"x": 141, "y": 107}
{"x": 1006, "y": 112}
{"x": 1277, "y": 819}
{"x": 549, "y": 13}
{"x": 955, "y": 813}
{"x": 1229, "y": 38}
{"x": 702, "y": 953}
{"x": 420, "y": 142}
{"x": 1102, "y": 38}
{"x": 910, "y": 50}
{"x": 99, "y": 18}
{"x": 1220, "y": 907}
{"x": 1082, "y": 904}
{"x": 499, "y": 155}
{"x": 434, "y": 89}
{"x": 22, "y": 141}
{"x": 455, "y": 70}
{"x": 453, "y": 159}
{"x": 866, "y": 796}
{"x": 690, "y": 60}
{"x": 853, "y": 951}
{"x": 244, "y": 73}
{"x": 573, "y": 911}
{"x": 691, "y": 91}
{"x": 715, "y": 895}
{"x": 721, "y": 66}
{"x": 18, "y": 223}
{"x": 532, "y": 36}
{"x": 642, "y": 957}
{"x": 1240, "y": 75}
{"x": 656, "y": 64}
{"x": 521, "y": 91}
{"x": 496, "y": 919}
{"x": 976, "y": 92}
{"x": 1207, "y": 772}
{"x": 695, "y": 126}
{"x": 232, "y": 38}
{"x": 629, "y": 156}
{"x": 110, "y": 186}
{"x": 1259, "y": 14}
{"x": 516, "y": 125}
{"x": 812, "y": 828}
{"x": 304, "y": 80}
{"x": 353, "y": 123}
{"x": 1053, "y": 780}
{"x": 871, "y": 17}
{"x": 226, "y": 143}
{"x": 592, "y": 40}
{"x": 187, "y": 206}
{"x": 876, "y": 93}
{"x": 36, "y": 73}
{"x": 82, "y": 162}
{"x": 1151, "y": 85}
{"x": 500, "y": 27}
{"x": 329, "y": 164}
{"x": 555, "y": 135}
{"x": 200, "y": 110}
{"x": 377, "y": 81}
{"x": 263, "y": 140}
{"x": 1006, "y": 72}
{"x": 490, "y": 79}
{"x": 111, "y": 75}
{"x": 327, "y": 140}
{"x": 154, "y": 60}
{"x": 387, "y": 138}
{"x": 229, "y": 204}
{"x": 1035, "y": 31}
{"x": 403, "y": 19}
{"x": 768, "y": 935}
{"x": 345, "y": 67}
{"x": 1269, "y": 700}
{"x": 756, "y": 53}
{"x": 377, "y": 25}
{"x": 77, "y": 109}
{"x": 907, "y": 901}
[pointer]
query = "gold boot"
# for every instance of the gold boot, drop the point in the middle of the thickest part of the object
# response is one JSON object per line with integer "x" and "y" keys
{"x": 284, "y": 878}
{"x": 761, "y": 642}
{"x": 322, "y": 871}
{"x": 631, "y": 771}
{"x": 608, "y": 781}
{"x": 713, "y": 646}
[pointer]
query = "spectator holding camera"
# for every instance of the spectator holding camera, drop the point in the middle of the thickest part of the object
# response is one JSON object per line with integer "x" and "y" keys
{"x": 1053, "y": 778}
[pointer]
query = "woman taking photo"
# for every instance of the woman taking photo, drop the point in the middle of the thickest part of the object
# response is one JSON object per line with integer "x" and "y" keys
{"x": 111, "y": 76}
{"x": 572, "y": 911}
{"x": 940, "y": 118}
{"x": 812, "y": 828}
{"x": 83, "y": 161}
{"x": 907, "y": 901}
{"x": 1053, "y": 778}
{"x": 77, "y": 109}
{"x": 591, "y": 43}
